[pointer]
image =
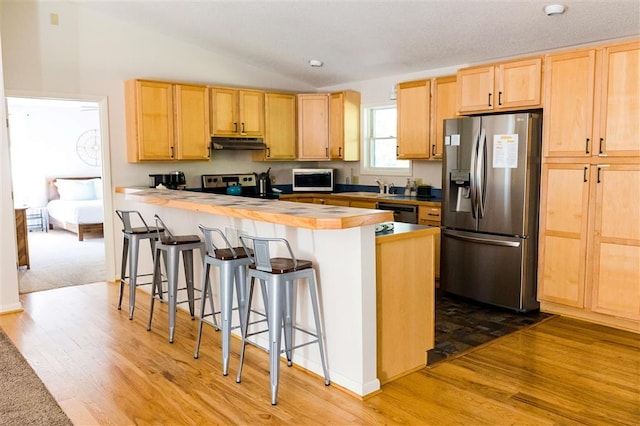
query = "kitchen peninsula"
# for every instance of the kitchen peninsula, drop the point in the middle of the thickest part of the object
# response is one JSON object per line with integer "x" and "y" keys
{"x": 341, "y": 242}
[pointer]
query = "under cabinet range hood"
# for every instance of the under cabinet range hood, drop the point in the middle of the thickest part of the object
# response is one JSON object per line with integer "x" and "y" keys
{"x": 237, "y": 143}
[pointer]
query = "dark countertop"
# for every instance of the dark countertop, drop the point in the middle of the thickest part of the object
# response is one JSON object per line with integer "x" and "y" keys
{"x": 401, "y": 228}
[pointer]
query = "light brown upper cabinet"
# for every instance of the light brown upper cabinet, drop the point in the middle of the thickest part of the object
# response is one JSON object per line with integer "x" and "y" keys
{"x": 593, "y": 102}
{"x": 280, "y": 128}
{"x": 344, "y": 126}
{"x": 423, "y": 105}
{"x": 166, "y": 121}
{"x": 237, "y": 112}
{"x": 313, "y": 126}
{"x": 414, "y": 113}
{"x": 506, "y": 86}
{"x": 443, "y": 106}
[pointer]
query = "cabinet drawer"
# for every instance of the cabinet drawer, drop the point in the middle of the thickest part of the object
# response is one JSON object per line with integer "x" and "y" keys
{"x": 429, "y": 214}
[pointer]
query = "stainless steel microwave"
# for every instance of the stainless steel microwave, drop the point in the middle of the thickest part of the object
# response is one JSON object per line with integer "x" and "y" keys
{"x": 317, "y": 180}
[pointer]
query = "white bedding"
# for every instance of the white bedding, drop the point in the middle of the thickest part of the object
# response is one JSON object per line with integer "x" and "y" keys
{"x": 78, "y": 212}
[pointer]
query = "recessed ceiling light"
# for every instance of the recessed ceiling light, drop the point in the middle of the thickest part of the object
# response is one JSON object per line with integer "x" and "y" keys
{"x": 315, "y": 63}
{"x": 555, "y": 9}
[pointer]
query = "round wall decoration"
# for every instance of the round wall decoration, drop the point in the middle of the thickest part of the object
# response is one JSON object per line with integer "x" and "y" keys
{"x": 88, "y": 147}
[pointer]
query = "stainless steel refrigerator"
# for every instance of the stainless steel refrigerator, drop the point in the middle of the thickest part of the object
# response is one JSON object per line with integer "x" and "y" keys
{"x": 490, "y": 199}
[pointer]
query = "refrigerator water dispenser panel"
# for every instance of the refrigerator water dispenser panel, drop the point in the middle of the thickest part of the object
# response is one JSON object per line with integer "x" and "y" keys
{"x": 460, "y": 190}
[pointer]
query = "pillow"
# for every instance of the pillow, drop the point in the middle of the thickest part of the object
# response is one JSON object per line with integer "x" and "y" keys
{"x": 98, "y": 188}
{"x": 76, "y": 190}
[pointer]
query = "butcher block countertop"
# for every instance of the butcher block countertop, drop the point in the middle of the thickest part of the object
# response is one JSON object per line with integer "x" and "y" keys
{"x": 310, "y": 216}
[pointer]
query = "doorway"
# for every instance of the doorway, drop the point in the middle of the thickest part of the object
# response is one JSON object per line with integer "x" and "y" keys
{"x": 56, "y": 138}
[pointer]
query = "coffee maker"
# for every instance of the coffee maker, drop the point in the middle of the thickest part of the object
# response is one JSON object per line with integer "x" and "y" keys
{"x": 263, "y": 182}
{"x": 172, "y": 180}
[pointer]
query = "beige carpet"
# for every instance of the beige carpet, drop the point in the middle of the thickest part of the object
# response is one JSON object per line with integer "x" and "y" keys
{"x": 24, "y": 399}
{"x": 58, "y": 259}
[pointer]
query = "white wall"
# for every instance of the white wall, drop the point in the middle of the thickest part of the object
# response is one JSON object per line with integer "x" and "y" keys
{"x": 9, "y": 300}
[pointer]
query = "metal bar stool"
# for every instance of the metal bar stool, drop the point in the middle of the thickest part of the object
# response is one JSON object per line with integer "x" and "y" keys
{"x": 232, "y": 263}
{"x": 171, "y": 246}
{"x": 132, "y": 234}
{"x": 279, "y": 274}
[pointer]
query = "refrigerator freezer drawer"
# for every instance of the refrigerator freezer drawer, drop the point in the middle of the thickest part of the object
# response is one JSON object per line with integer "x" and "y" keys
{"x": 488, "y": 268}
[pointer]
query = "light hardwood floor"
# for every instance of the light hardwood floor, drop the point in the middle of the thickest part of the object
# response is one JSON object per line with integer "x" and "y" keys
{"x": 104, "y": 369}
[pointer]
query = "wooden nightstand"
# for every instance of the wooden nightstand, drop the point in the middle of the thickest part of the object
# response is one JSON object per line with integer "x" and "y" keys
{"x": 22, "y": 237}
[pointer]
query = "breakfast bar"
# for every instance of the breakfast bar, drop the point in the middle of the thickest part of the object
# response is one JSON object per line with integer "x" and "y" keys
{"x": 341, "y": 243}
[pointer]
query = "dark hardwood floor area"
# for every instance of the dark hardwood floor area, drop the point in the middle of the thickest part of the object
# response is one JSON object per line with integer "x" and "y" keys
{"x": 104, "y": 369}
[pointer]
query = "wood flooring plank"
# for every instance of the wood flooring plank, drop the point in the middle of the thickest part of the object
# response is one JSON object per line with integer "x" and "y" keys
{"x": 105, "y": 369}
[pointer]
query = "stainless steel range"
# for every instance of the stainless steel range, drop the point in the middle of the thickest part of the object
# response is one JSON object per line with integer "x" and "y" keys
{"x": 228, "y": 183}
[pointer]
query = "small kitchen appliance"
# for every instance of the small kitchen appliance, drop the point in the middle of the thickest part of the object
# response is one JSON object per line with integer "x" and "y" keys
{"x": 172, "y": 180}
{"x": 315, "y": 180}
{"x": 264, "y": 182}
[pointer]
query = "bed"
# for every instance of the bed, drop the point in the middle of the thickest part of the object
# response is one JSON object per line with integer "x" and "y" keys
{"x": 75, "y": 204}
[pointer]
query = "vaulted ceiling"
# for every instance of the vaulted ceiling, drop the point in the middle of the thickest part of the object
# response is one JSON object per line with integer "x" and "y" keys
{"x": 360, "y": 40}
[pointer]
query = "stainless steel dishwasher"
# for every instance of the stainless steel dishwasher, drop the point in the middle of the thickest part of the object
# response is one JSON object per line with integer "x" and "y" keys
{"x": 406, "y": 213}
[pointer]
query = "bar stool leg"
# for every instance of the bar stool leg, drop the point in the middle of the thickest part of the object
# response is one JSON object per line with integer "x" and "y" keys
{"x": 313, "y": 290}
{"x": 241, "y": 294}
{"x": 133, "y": 274}
{"x": 244, "y": 333}
{"x": 152, "y": 243}
{"x": 226, "y": 300}
{"x": 205, "y": 292}
{"x": 123, "y": 269}
{"x": 288, "y": 321}
{"x": 172, "y": 278}
{"x": 187, "y": 260}
{"x": 156, "y": 283}
{"x": 274, "y": 318}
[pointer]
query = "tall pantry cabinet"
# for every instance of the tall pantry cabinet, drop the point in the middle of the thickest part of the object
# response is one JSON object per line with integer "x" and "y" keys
{"x": 589, "y": 263}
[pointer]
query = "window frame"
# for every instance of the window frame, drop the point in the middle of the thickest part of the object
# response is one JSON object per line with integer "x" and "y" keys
{"x": 365, "y": 163}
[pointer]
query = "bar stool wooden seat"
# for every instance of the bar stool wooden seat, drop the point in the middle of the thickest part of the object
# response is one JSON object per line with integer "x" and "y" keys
{"x": 170, "y": 246}
{"x": 279, "y": 274}
{"x": 135, "y": 230}
{"x": 232, "y": 263}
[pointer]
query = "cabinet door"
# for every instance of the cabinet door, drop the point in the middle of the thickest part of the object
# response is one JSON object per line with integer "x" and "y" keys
{"x": 280, "y": 126}
{"x": 413, "y": 119}
{"x": 475, "y": 89}
{"x": 616, "y": 256}
{"x": 224, "y": 121}
{"x": 443, "y": 107}
{"x": 193, "y": 139}
{"x": 564, "y": 207}
{"x": 313, "y": 127}
{"x": 519, "y": 84}
{"x": 568, "y": 111}
{"x": 344, "y": 126}
{"x": 618, "y": 123}
{"x": 154, "y": 110}
{"x": 251, "y": 113}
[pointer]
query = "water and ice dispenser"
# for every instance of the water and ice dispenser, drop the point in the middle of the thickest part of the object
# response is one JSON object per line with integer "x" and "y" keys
{"x": 460, "y": 190}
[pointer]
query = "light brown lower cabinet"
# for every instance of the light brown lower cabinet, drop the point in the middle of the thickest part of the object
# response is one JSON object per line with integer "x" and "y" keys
{"x": 589, "y": 256}
{"x": 405, "y": 307}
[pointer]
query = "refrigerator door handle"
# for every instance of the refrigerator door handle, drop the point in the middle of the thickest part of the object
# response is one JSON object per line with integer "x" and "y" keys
{"x": 472, "y": 175}
{"x": 482, "y": 143}
{"x": 472, "y": 239}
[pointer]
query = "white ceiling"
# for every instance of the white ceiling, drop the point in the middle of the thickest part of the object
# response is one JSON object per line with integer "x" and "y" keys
{"x": 366, "y": 39}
